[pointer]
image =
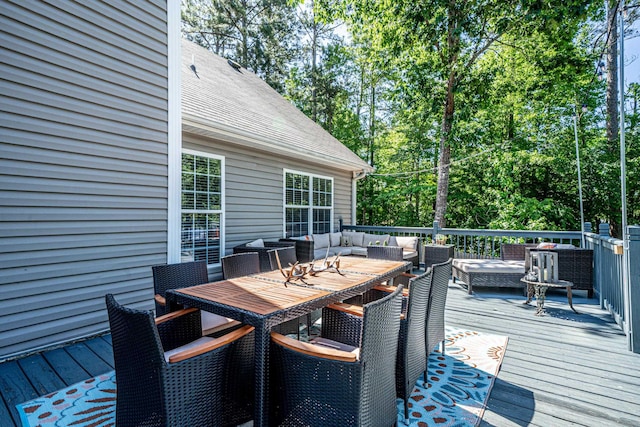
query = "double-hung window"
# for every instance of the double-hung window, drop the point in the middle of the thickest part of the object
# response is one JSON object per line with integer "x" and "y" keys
{"x": 202, "y": 206}
{"x": 308, "y": 204}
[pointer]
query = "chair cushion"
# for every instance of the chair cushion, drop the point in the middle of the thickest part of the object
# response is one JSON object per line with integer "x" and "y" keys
{"x": 326, "y": 342}
{"x": 192, "y": 344}
{"x": 489, "y": 266}
{"x": 211, "y": 321}
{"x": 409, "y": 253}
{"x": 258, "y": 243}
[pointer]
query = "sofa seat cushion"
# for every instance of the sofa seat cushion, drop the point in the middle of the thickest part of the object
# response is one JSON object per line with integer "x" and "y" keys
{"x": 409, "y": 254}
{"x": 489, "y": 266}
{"x": 359, "y": 250}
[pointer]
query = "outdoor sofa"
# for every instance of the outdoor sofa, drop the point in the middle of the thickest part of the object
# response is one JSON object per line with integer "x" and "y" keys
{"x": 574, "y": 265}
{"x": 317, "y": 246}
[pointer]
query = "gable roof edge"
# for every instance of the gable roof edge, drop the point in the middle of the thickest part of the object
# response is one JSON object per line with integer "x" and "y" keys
{"x": 195, "y": 125}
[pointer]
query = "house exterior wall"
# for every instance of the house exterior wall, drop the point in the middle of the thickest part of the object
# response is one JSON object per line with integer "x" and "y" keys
{"x": 83, "y": 164}
{"x": 254, "y": 189}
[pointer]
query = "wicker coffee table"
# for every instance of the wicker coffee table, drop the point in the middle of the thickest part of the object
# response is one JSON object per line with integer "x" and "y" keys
{"x": 540, "y": 290}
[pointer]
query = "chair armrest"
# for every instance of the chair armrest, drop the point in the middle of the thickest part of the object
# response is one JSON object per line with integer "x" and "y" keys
{"x": 211, "y": 345}
{"x": 313, "y": 350}
{"x": 160, "y": 299}
{"x": 355, "y": 310}
{"x": 174, "y": 314}
{"x": 391, "y": 289}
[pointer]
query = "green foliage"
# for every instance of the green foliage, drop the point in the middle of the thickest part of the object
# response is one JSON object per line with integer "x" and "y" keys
{"x": 522, "y": 69}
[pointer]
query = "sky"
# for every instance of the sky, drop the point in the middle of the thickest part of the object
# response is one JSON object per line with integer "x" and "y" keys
{"x": 632, "y": 58}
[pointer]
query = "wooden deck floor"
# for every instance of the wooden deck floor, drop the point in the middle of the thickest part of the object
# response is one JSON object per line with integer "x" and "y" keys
{"x": 562, "y": 369}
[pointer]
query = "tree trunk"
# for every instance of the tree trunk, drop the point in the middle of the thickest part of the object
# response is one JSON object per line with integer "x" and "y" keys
{"x": 612, "y": 77}
{"x": 453, "y": 48}
{"x": 445, "y": 154}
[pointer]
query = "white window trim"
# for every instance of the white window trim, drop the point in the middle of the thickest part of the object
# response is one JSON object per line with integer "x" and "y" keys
{"x": 223, "y": 190}
{"x": 174, "y": 132}
{"x": 311, "y": 206}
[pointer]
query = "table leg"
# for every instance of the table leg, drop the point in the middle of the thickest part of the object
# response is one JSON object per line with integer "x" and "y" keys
{"x": 529, "y": 293}
{"x": 261, "y": 404}
{"x": 541, "y": 290}
{"x": 570, "y": 298}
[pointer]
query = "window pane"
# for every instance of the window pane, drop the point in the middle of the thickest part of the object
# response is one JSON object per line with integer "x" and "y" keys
{"x": 188, "y": 200}
{"x": 297, "y": 222}
{"x": 187, "y": 163}
{"x": 201, "y": 237}
{"x": 201, "y": 191}
{"x": 321, "y": 221}
{"x": 214, "y": 202}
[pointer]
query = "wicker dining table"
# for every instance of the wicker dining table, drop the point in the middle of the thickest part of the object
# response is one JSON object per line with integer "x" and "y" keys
{"x": 264, "y": 301}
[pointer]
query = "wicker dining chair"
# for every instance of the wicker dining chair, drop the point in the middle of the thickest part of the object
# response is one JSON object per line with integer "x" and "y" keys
{"x": 286, "y": 256}
{"x": 175, "y": 276}
{"x": 391, "y": 253}
{"x": 181, "y": 275}
{"x": 435, "y": 316}
{"x": 240, "y": 264}
{"x": 411, "y": 361}
{"x": 168, "y": 374}
{"x": 319, "y": 384}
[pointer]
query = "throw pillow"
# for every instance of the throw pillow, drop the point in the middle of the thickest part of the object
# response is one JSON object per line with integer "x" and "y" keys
{"x": 258, "y": 243}
{"x": 546, "y": 245}
{"x": 357, "y": 237}
{"x": 345, "y": 241}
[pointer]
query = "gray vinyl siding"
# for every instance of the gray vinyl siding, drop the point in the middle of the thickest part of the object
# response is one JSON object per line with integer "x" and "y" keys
{"x": 83, "y": 164}
{"x": 254, "y": 189}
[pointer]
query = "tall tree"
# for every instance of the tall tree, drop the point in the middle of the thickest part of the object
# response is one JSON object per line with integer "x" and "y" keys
{"x": 262, "y": 35}
{"x": 454, "y": 35}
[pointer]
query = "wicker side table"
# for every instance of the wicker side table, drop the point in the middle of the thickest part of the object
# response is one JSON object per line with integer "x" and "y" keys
{"x": 434, "y": 254}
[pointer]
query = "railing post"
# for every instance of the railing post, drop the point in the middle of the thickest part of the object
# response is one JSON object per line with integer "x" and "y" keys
{"x": 587, "y": 227}
{"x": 634, "y": 288}
{"x": 436, "y": 230}
{"x": 603, "y": 229}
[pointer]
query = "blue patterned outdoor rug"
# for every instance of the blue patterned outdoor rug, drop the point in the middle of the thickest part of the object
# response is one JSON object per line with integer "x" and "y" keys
{"x": 458, "y": 388}
{"x": 459, "y": 382}
{"x": 88, "y": 403}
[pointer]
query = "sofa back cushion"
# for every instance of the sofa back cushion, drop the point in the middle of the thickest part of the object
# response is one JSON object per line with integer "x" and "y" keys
{"x": 406, "y": 242}
{"x": 334, "y": 239}
{"x": 357, "y": 237}
{"x": 375, "y": 239}
{"x": 258, "y": 243}
{"x": 321, "y": 241}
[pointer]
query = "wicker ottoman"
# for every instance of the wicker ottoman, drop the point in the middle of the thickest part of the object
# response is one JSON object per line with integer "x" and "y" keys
{"x": 489, "y": 272}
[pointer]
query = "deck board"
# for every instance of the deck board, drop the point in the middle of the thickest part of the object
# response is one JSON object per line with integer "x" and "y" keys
{"x": 562, "y": 369}
{"x": 41, "y": 375}
{"x": 67, "y": 368}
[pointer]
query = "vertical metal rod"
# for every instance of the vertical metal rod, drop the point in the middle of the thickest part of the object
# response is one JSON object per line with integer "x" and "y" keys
{"x": 623, "y": 190}
{"x": 575, "y": 131}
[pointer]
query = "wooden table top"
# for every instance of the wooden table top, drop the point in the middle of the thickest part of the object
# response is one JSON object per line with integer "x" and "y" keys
{"x": 254, "y": 294}
{"x": 265, "y": 293}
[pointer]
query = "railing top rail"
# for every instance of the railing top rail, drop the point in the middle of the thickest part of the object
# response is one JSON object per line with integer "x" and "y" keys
{"x": 532, "y": 234}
